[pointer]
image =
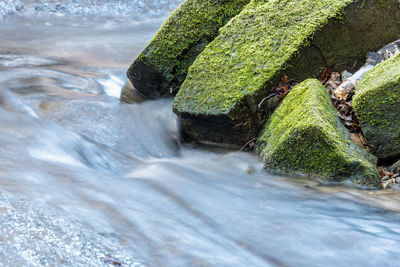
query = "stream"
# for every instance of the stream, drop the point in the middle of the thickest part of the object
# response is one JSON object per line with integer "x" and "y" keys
{"x": 87, "y": 181}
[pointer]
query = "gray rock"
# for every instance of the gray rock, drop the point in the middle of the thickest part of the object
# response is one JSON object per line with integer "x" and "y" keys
{"x": 345, "y": 75}
{"x": 347, "y": 88}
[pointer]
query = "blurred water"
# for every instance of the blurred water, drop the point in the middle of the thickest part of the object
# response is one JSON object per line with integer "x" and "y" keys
{"x": 86, "y": 181}
{"x": 98, "y": 8}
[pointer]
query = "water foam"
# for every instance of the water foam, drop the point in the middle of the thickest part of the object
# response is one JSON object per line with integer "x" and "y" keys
{"x": 101, "y": 8}
{"x": 9, "y": 7}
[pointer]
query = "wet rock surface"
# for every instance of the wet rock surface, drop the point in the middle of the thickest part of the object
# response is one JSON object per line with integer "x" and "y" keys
{"x": 305, "y": 136}
{"x": 130, "y": 95}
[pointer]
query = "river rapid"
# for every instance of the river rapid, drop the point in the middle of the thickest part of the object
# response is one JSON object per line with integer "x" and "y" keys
{"x": 87, "y": 181}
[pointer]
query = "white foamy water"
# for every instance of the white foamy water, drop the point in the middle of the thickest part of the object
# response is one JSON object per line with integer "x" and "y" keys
{"x": 102, "y": 8}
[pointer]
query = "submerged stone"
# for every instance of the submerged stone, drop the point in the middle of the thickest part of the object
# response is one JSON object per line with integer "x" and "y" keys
{"x": 305, "y": 136}
{"x": 161, "y": 68}
{"x": 377, "y": 106}
{"x": 219, "y": 99}
{"x": 130, "y": 95}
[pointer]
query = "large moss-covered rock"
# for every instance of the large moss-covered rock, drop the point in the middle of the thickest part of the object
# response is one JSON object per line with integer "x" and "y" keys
{"x": 304, "y": 135}
{"x": 161, "y": 68}
{"x": 219, "y": 99}
{"x": 377, "y": 106}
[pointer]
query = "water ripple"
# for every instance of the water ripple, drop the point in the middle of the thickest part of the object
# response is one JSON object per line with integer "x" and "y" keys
{"x": 31, "y": 236}
{"x": 104, "y": 8}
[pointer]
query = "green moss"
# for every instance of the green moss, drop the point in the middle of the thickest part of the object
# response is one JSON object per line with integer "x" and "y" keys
{"x": 304, "y": 135}
{"x": 272, "y": 37}
{"x": 377, "y": 105}
{"x": 178, "y": 42}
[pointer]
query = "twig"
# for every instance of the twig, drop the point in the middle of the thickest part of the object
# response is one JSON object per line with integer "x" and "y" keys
{"x": 264, "y": 99}
{"x": 252, "y": 140}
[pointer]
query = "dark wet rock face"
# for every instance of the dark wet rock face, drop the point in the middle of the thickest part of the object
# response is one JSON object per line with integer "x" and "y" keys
{"x": 268, "y": 39}
{"x": 162, "y": 67}
{"x": 146, "y": 79}
{"x": 130, "y": 95}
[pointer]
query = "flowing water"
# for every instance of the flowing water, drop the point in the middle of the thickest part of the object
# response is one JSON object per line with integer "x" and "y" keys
{"x": 86, "y": 181}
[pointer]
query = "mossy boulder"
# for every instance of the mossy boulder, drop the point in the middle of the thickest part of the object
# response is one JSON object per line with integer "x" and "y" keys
{"x": 219, "y": 99}
{"x": 395, "y": 168}
{"x": 162, "y": 67}
{"x": 377, "y": 106}
{"x": 305, "y": 136}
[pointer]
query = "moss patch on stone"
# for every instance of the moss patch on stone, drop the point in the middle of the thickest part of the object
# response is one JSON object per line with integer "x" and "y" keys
{"x": 377, "y": 106}
{"x": 272, "y": 37}
{"x": 162, "y": 66}
{"x": 305, "y": 136}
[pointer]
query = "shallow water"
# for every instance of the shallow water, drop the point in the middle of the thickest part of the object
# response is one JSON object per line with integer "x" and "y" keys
{"x": 86, "y": 181}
